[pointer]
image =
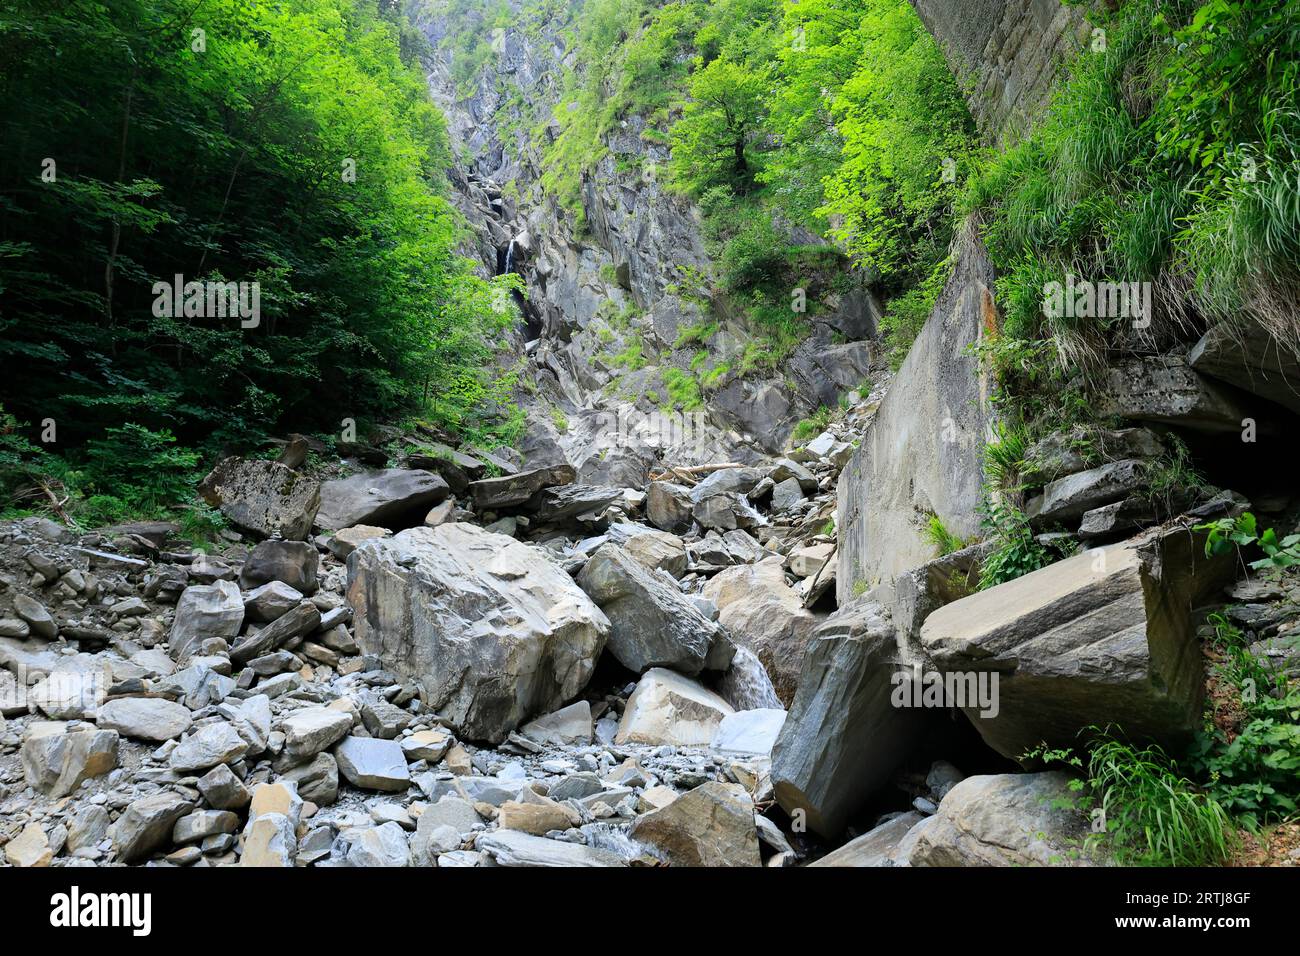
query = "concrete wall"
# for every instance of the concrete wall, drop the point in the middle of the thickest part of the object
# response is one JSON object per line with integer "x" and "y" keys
{"x": 1005, "y": 53}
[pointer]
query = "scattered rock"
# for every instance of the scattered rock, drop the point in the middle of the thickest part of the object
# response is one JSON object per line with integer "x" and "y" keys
{"x": 712, "y": 825}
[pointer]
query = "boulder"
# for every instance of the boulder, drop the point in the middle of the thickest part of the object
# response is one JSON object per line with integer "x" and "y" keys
{"x": 657, "y": 550}
{"x": 147, "y": 824}
{"x": 392, "y": 498}
{"x": 144, "y": 718}
{"x": 1250, "y": 359}
{"x": 568, "y": 725}
{"x": 1070, "y": 497}
{"x": 223, "y": 790}
{"x": 270, "y": 602}
{"x": 205, "y": 611}
{"x": 1164, "y": 388}
{"x": 301, "y": 621}
{"x": 879, "y": 846}
{"x": 668, "y": 506}
{"x": 712, "y": 825}
{"x": 667, "y": 708}
{"x": 317, "y": 780}
{"x": 1104, "y": 637}
{"x": 762, "y": 613}
{"x": 652, "y": 624}
{"x": 491, "y": 630}
{"x": 751, "y": 732}
{"x": 383, "y": 845}
{"x": 726, "y": 511}
{"x": 292, "y": 562}
{"x": 843, "y": 738}
{"x": 263, "y": 498}
{"x": 30, "y": 848}
{"x": 210, "y": 745}
{"x": 270, "y": 841}
{"x": 1005, "y": 819}
{"x": 373, "y": 764}
{"x": 309, "y": 731}
{"x": 36, "y": 616}
{"x": 514, "y": 490}
{"x": 566, "y": 503}
{"x": 344, "y": 541}
{"x": 513, "y": 848}
{"x": 56, "y": 762}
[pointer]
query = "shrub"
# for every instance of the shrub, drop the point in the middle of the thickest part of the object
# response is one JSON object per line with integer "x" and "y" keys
{"x": 1016, "y": 553}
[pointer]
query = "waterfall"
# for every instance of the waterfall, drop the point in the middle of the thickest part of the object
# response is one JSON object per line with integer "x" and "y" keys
{"x": 510, "y": 257}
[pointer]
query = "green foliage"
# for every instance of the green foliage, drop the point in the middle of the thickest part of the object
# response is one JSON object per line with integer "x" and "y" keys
{"x": 228, "y": 165}
{"x": 1016, "y": 552}
{"x": 1242, "y": 532}
{"x": 1004, "y": 459}
{"x": 944, "y": 541}
{"x": 1256, "y": 775}
{"x": 812, "y": 426}
{"x": 683, "y": 390}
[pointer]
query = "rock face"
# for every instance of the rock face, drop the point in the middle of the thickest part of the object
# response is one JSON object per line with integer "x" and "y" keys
{"x": 712, "y": 825}
{"x": 652, "y": 624}
{"x": 1249, "y": 359}
{"x": 667, "y": 708}
{"x": 1002, "y": 820}
{"x": 263, "y": 498}
{"x": 1103, "y": 636}
{"x": 762, "y": 613}
{"x": 922, "y": 454}
{"x": 1164, "y": 388}
{"x": 489, "y": 628}
{"x": 395, "y": 496}
{"x": 843, "y": 738}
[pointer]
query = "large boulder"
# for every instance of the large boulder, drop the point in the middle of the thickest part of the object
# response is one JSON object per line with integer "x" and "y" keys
{"x": 843, "y": 737}
{"x": 668, "y": 506}
{"x": 513, "y": 490}
{"x": 923, "y": 453}
{"x": 514, "y": 848}
{"x": 205, "y": 611}
{"x": 56, "y": 761}
{"x": 491, "y": 629}
{"x": 1104, "y": 637}
{"x": 712, "y": 825}
{"x": 263, "y": 498}
{"x": 1165, "y": 388}
{"x": 390, "y": 498}
{"x": 144, "y": 718}
{"x": 652, "y": 623}
{"x": 1008, "y": 819}
{"x": 292, "y": 562}
{"x": 1252, "y": 360}
{"x": 667, "y": 708}
{"x": 763, "y": 613}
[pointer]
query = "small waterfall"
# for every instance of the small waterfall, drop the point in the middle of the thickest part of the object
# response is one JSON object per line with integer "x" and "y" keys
{"x": 510, "y": 258}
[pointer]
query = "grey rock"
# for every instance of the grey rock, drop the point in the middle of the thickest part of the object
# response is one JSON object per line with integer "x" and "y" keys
{"x": 391, "y": 498}
{"x": 514, "y": 848}
{"x": 291, "y": 562}
{"x": 1075, "y": 494}
{"x": 380, "y": 846}
{"x": 204, "y": 612}
{"x": 514, "y": 490}
{"x": 57, "y": 762}
{"x": 212, "y": 744}
{"x": 668, "y": 506}
{"x": 223, "y": 790}
{"x": 373, "y": 764}
{"x": 263, "y": 498}
{"x": 317, "y": 780}
{"x": 712, "y": 825}
{"x": 144, "y": 718}
{"x": 146, "y": 825}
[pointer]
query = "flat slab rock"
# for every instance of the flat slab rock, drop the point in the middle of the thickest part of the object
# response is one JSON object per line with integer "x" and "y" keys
{"x": 379, "y": 498}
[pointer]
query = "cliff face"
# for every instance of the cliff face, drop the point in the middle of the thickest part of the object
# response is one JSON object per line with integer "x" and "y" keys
{"x": 1006, "y": 53}
{"x": 607, "y": 303}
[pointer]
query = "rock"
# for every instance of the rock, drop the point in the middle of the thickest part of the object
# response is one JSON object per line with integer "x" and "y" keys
{"x": 263, "y": 498}
{"x": 558, "y": 505}
{"x": 223, "y": 790}
{"x": 1250, "y": 359}
{"x": 1116, "y": 517}
{"x": 1102, "y": 637}
{"x": 373, "y": 764}
{"x": 923, "y": 452}
{"x": 842, "y": 739}
{"x": 726, "y": 512}
{"x": 280, "y": 798}
{"x": 87, "y": 827}
{"x": 451, "y": 812}
{"x": 72, "y": 690}
{"x": 204, "y": 612}
{"x": 14, "y": 628}
{"x": 270, "y": 602}
{"x": 382, "y": 719}
{"x": 492, "y": 631}
{"x": 30, "y": 848}
{"x": 270, "y": 841}
{"x": 568, "y": 725}
{"x": 201, "y": 824}
{"x": 748, "y": 732}
{"x": 667, "y": 708}
{"x": 808, "y": 561}
{"x": 380, "y": 846}
{"x": 657, "y": 549}
{"x": 292, "y": 562}
{"x": 513, "y": 490}
{"x": 786, "y": 495}
{"x": 144, "y": 718}
{"x": 393, "y": 498}
{"x": 576, "y": 786}
{"x": 513, "y": 848}
{"x": 345, "y": 540}
{"x": 669, "y": 506}
{"x": 746, "y": 686}
{"x": 146, "y": 825}
{"x": 1164, "y": 388}
{"x": 317, "y": 780}
{"x": 56, "y": 762}
{"x": 301, "y": 621}
{"x": 652, "y": 624}
{"x": 210, "y": 745}
{"x": 942, "y": 777}
{"x": 762, "y": 613}
{"x": 309, "y": 731}
{"x": 536, "y": 815}
{"x": 38, "y": 619}
{"x": 712, "y": 825}
{"x": 429, "y": 745}
{"x": 1075, "y": 494}
{"x": 877, "y": 847}
{"x": 1003, "y": 820}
